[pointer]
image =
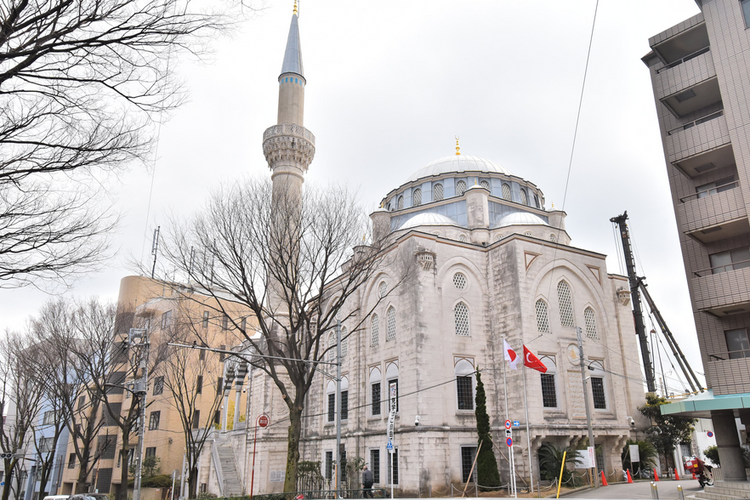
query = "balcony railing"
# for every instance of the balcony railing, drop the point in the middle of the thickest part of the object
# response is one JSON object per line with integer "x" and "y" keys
{"x": 686, "y": 58}
{"x": 722, "y": 269}
{"x": 710, "y": 192}
{"x": 723, "y": 356}
{"x": 703, "y": 119}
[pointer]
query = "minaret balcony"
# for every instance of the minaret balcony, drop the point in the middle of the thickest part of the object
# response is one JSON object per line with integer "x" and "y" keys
{"x": 289, "y": 145}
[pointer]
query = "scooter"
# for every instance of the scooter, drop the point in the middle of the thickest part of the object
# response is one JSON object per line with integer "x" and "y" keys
{"x": 706, "y": 477}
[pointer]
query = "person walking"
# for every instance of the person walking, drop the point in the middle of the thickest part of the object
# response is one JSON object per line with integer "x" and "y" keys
{"x": 367, "y": 480}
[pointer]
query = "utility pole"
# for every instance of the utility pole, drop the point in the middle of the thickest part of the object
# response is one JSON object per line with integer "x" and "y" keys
{"x": 579, "y": 334}
{"x": 140, "y": 392}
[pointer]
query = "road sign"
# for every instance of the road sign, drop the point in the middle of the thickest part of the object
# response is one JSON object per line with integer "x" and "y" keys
{"x": 508, "y": 433}
{"x": 263, "y": 420}
{"x": 516, "y": 423}
{"x": 389, "y": 446}
{"x": 507, "y": 424}
{"x": 509, "y": 441}
{"x": 710, "y": 434}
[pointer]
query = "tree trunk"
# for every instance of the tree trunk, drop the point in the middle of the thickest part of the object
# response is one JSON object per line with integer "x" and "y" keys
{"x": 121, "y": 493}
{"x": 193, "y": 482}
{"x": 8, "y": 479}
{"x": 292, "y": 451}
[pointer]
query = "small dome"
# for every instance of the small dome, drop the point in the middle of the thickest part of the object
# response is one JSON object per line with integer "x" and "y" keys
{"x": 458, "y": 164}
{"x": 428, "y": 219}
{"x": 521, "y": 219}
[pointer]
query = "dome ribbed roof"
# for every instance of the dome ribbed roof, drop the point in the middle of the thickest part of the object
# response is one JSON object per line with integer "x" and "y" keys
{"x": 428, "y": 219}
{"x": 521, "y": 219}
{"x": 458, "y": 163}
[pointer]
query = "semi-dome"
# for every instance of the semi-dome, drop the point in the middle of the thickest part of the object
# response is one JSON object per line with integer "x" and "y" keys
{"x": 521, "y": 219}
{"x": 428, "y": 219}
{"x": 458, "y": 163}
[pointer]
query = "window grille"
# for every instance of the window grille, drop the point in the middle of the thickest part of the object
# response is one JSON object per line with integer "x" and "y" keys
{"x": 437, "y": 192}
{"x": 566, "y": 304}
{"x": 72, "y": 461}
{"x": 344, "y": 405}
{"x": 375, "y": 329}
{"x": 331, "y": 407}
{"x": 459, "y": 280}
{"x": 344, "y": 343}
{"x": 460, "y": 188}
{"x": 462, "y": 238}
{"x": 49, "y": 418}
{"x": 536, "y": 201}
{"x": 416, "y": 197}
{"x": 549, "y": 391}
{"x": 153, "y": 422}
{"x": 196, "y": 419}
{"x": 542, "y": 316}
{"x": 485, "y": 185}
{"x": 506, "y": 191}
{"x": 205, "y": 319}
{"x": 461, "y": 315}
{"x": 375, "y": 389}
{"x": 329, "y": 465}
{"x": 400, "y": 202}
{"x": 391, "y": 320}
{"x": 159, "y": 385}
{"x": 590, "y": 318}
{"x": 524, "y": 198}
{"x": 467, "y": 461}
{"x": 394, "y": 461}
{"x": 465, "y": 393}
{"x": 382, "y": 289}
{"x": 375, "y": 465}
{"x": 331, "y": 345}
{"x": 597, "y": 389}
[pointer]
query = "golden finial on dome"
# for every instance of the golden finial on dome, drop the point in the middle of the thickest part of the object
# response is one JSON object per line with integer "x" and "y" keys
{"x": 458, "y": 148}
{"x": 553, "y": 204}
{"x": 295, "y": 7}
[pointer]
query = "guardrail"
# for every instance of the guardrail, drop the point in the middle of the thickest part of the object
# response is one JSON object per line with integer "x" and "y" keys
{"x": 692, "y": 124}
{"x": 710, "y": 192}
{"x": 682, "y": 60}
{"x": 722, "y": 269}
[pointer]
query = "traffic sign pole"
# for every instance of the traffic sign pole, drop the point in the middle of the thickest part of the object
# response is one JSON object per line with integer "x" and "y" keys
{"x": 263, "y": 422}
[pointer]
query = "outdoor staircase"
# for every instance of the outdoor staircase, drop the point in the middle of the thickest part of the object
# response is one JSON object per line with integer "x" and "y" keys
{"x": 232, "y": 485}
{"x": 725, "y": 490}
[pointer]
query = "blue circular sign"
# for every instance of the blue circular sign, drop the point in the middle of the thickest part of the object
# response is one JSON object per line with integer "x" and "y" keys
{"x": 509, "y": 441}
{"x": 710, "y": 434}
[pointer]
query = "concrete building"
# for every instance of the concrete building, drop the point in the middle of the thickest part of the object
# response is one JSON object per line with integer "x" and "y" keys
{"x": 491, "y": 262}
{"x": 701, "y": 80}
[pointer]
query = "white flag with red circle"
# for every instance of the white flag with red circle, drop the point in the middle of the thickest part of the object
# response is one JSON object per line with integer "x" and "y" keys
{"x": 511, "y": 356}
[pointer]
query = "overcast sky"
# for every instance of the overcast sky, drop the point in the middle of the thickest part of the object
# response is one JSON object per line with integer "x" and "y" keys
{"x": 389, "y": 85}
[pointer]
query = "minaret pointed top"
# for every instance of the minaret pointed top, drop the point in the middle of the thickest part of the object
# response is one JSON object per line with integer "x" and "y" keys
{"x": 293, "y": 55}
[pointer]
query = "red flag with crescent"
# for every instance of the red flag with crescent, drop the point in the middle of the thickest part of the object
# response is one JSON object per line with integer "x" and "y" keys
{"x": 532, "y": 361}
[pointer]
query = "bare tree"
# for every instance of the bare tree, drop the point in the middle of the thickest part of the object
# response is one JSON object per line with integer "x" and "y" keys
{"x": 295, "y": 263}
{"x": 81, "y": 84}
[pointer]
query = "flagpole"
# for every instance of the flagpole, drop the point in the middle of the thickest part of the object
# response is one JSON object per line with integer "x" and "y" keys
{"x": 528, "y": 435}
{"x": 511, "y": 462}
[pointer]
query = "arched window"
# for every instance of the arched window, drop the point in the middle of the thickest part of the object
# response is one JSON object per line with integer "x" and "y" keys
{"x": 464, "y": 371}
{"x": 331, "y": 400}
{"x": 565, "y": 301}
{"x": 542, "y": 316}
{"x": 401, "y": 202}
{"x": 462, "y": 238}
{"x": 390, "y": 317}
{"x": 506, "y": 191}
{"x": 549, "y": 382}
{"x": 391, "y": 377}
{"x": 524, "y": 197}
{"x": 437, "y": 192}
{"x": 416, "y": 199}
{"x": 375, "y": 391}
{"x": 332, "y": 346}
{"x": 375, "y": 324}
{"x": 598, "y": 391}
{"x": 344, "y": 342}
{"x": 459, "y": 280}
{"x": 536, "y": 201}
{"x": 590, "y": 319}
{"x": 552, "y": 237}
{"x": 461, "y": 316}
{"x": 485, "y": 185}
{"x": 460, "y": 188}
{"x": 382, "y": 289}
{"x": 344, "y": 398}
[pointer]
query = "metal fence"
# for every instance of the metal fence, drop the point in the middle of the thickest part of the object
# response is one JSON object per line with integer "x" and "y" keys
{"x": 324, "y": 494}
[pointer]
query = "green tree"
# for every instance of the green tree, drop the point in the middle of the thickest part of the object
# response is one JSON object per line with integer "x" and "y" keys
{"x": 487, "y": 473}
{"x": 550, "y": 461}
{"x": 712, "y": 453}
{"x": 666, "y": 430}
{"x": 647, "y": 453}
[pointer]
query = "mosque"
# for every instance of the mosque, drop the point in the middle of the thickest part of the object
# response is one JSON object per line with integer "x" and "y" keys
{"x": 492, "y": 263}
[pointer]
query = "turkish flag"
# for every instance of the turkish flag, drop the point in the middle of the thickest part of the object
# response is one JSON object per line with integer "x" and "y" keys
{"x": 532, "y": 361}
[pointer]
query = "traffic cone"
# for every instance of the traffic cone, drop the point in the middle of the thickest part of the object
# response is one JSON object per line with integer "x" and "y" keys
{"x": 676, "y": 475}
{"x": 604, "y": 479}
{"x": 630, "y": 479}
{"x": 694, "y": 476}
{"x": 656, "y": 476}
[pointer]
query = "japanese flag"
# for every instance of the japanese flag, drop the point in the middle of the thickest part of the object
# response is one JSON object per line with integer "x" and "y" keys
{"x": 511, "y": 356}
{"x": 532, "y": 361}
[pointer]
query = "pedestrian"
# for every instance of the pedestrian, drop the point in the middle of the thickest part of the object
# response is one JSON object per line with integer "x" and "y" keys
{"x": 367, "y": 480}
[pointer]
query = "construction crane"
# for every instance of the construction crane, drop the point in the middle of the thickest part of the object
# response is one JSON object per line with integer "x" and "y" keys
{"x": 637, "y": 285}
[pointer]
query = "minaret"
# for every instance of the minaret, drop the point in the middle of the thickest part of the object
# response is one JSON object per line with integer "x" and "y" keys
{"x": 288, "y": 146}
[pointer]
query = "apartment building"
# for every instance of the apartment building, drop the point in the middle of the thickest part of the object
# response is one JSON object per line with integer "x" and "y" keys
{"x": 700, "y": 71}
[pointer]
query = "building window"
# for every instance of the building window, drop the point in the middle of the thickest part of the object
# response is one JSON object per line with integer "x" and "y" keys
{"x": 391, "y": 324}
{"x": 506, "y": 191}
{"x": 205, "y": 319}
{"x": 467, "y": 460}
{"x": 375, "y": 323}
{"x": 375, "y": 395}
{"x": 549, "y": 384}
{"x": 166, "y": 320}
{"x": 332, "y": 346}
{"x": 524, "y": 197}
{"x": 464, "y": 371}
{"x": 219, "y": 385}
{"x": 196, "y": 419}
{"x": 104, "y": 480}
{"x": 737, "y": 343}
{"x": 49, "y": 418}
{"x": 222, "y": 355}
{"x": 461, "y": 317}
{"x": 150, "y": 452}
{"x": 460, "y": 188}
{"x": 462, "y": 238}
{"x": 375, "y": 465}
{"x": 72, "y": 461}
{"x": 243, "y": 325}
{"x": 590, "y": 319}
{"x": 536, "y": 201}
{"x": 199, "y": 384}
{"x": 81, "y": 401}
{"x": 542, "y": 316}
{"x": 416, "y": 198}
{"x": 437, "y": 192}
{"x": 342, "y": 466}
{"x": 400, "y": 202}
{"x": 382, "y": 289}
{"x": 345, "y": 405}
{"x": 393, "y": 467}
{"x": 344, "y": 342}
{"x": 225, "y": 322}
{"x": 485, "y": 185}
{"x": 459, "y": 280}
{"x": 565, "y": 303}
{"x": 106, "y": 447}
{"x": 46, "y": 444}
{"x": 217, "y": 418}
{"x": 391, "y": 375}
{"x": 159, "y": 385}
{"x": 329, "y": 465}
{"x": 597, "y": 385}
{"x": 153, "y": 421}
{"x": 746, "y": 11}
{"x": 331, "y": 395}
{"x": 202, "y": 355}
{"x": 729, "y": 260}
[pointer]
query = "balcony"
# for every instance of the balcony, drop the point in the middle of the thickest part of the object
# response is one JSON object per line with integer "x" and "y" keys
{"x": 696, "y": 138}
{"x": 728, "y": 372}
{"x": 709, "y": 159}
{"x": 713, "y": 215}
{"x": 694, "y": 98}
{"x": 684, "y": 73}
{"x": 722, "y": 292}
{"x": 678, "y": 47}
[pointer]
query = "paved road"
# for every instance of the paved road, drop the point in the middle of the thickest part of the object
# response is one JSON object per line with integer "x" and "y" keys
{"x": 667, "y": 490}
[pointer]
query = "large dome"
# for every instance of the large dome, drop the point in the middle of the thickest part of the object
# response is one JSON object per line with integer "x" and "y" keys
{"x": 428, "y": 219}
{"x": 458, "y": 163}
{"x": 521, "y": 219}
